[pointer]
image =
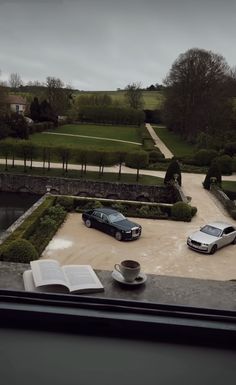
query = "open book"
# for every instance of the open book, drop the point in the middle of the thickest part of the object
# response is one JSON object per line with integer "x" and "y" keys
{"x": 47, "y": 275}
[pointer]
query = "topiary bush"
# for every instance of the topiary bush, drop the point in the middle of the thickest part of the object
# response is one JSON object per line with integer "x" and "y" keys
{"x": 21, "y": 251}
{"x": 181, "y": 211}
{"x": 213, "y": 172}
{"x": 193, "y": 211}
{"x": 172, "y": 170}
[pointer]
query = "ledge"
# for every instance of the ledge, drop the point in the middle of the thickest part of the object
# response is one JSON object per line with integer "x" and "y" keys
{"x": 157, "y": 289}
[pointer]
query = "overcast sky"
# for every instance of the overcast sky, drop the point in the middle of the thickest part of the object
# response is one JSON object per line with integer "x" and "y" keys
{"x": 107, "y": 44}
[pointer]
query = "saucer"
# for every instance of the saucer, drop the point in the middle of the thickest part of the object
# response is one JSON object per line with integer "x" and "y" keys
{"x": 119, "y": 278}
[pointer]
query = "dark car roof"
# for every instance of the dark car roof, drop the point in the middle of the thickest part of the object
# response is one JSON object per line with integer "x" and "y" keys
{"x": 106, "y": 210}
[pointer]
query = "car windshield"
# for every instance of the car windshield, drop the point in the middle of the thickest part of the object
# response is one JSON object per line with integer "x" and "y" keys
{"x": 211, "y": 230}
{"x": 116, "y": 217}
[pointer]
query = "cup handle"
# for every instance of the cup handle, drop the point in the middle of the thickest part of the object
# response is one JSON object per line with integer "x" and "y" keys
{"x": 117, "y": 267}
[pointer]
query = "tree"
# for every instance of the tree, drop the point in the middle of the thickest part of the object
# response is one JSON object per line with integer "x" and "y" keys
{"x": 134, "y": 96}
{"x": 59, "y": 97}
{"x": 15, "y": 80}
{"x": 213, "y": 174}
{"x": 35, "y": 110}
{"x": 173, "y": 173}
{"x": 197, "y": 94}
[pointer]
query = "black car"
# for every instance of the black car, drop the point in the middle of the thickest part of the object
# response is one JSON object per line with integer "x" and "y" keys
{"x": 112, "y": 222}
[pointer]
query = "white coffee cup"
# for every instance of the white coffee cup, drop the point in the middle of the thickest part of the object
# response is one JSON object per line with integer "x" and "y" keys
{"x": 129, "y": 269}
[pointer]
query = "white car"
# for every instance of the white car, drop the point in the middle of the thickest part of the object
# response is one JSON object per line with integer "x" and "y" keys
{"x": 212, "y": 237}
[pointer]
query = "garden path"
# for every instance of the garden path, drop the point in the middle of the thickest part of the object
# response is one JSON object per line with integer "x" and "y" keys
{"x": 158, "y": 142}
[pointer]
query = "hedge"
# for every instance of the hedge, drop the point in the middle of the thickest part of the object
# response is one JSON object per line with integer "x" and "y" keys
{"x": 29, "y": 226}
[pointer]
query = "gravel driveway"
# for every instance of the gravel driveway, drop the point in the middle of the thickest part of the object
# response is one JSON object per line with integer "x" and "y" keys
{"x": 160, "y": 250}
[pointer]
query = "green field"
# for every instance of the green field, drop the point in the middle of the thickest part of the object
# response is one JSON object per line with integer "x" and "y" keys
{"x": 152, "y": 99}
{"x": 112, "y": 132}
{"x": 174, "y": 142}
{"x": 128, "y": 133}
{"x": 229, "y": 185}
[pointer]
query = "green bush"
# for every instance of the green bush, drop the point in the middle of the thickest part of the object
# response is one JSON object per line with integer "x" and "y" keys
{"x": 57, "y": 213}
{"x": 193, "y": 211}
{"x": 119, "y": 207}
{"x": 204, "y": 157}
{"x": 172, "y": 170}
{"x": 213, "y": 172}
{"x": 21, "y": 251}
{"x": 155, "y": 156}
{"x": 148, "y": 211}
{"x": 181, "y": 212}
{"x": 226, "y": 164}
{"x": 66, "y": 202}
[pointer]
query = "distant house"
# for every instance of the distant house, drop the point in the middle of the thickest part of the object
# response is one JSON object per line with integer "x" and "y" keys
{"x": 17, "y": 103}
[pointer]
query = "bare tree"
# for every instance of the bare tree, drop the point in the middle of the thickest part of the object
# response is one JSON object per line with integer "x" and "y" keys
{"x": 15, "y": 80}
{"x": 58, "y": 96}
{"x": 197, "y": 94}
{"x": 134, "y": 96}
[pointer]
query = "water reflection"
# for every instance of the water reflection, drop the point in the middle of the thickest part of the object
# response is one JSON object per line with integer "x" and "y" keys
{"x": 12, "y": 206}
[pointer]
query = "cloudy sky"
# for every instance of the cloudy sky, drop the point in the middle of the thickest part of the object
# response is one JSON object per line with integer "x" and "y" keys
{"x": 107, "y": 44}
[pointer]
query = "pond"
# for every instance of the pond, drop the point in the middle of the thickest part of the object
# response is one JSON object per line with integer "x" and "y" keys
{"x": 13, "y": 205}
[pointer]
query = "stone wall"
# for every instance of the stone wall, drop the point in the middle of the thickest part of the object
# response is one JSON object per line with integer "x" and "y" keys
{"x": 80, "y": 187}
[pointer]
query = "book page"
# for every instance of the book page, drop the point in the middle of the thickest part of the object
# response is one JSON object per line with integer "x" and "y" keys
{"x": 81, "y": 277}
{"x": 47, "y": 272}
{"x": 29, "y": 285}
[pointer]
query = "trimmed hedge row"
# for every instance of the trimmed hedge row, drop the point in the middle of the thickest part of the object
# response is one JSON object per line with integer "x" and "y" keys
{"x": 28, "y": 241}
{"x": 179, "y": 211}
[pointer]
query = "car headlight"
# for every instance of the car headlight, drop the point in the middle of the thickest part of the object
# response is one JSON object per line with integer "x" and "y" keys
{"x": 128, "y": 232}
{"x": 205, "y": 244}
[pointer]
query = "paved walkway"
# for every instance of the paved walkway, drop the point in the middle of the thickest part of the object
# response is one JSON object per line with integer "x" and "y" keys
{"x": 158, "y": 142}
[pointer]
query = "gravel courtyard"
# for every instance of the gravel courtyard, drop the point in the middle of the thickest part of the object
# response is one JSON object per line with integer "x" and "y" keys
{"x": 162, "y": 247}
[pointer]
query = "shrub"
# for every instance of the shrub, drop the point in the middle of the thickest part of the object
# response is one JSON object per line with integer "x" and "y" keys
{"x": 93, "y": 205}
{"x": 21, "y": 251}
{"x": 230, "y": 148}
{"x": 155, "y": 156}
{"x": 193, "y": 211}
{"x": 181, "y": 212}
{"x": 213, "y": 172}
{"x": 119, "y": 207}
{"x": 204, "y": 157}
{"x": 173, "y": 169}
{"x": 57, "y": 213}
{"x": 66, "y": 202}
{"x": 226, "y": 164}
{"x": 147, "y": 211}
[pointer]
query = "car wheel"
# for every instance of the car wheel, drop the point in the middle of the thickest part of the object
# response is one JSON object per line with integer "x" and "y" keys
{"x": 234, "y": 241}
{"x": 118, "y": 236}
{"x": 213, "y": 249}
{"x": 88, "y": 223}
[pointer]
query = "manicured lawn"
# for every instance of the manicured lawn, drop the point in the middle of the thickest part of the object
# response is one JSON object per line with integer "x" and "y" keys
{"x": 174, "y": 142}
{"x": 229, "y": 185}
{"x": 112, "y": 132}
{"x": 91, "y": 175}
{"x": 129, "y": 133}
{"x": 85, "y": 143}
